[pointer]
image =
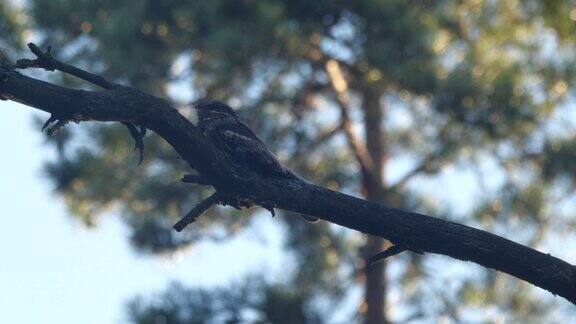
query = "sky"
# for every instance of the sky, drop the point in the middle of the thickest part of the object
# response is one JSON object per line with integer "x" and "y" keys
{"x": 54, "y": 270}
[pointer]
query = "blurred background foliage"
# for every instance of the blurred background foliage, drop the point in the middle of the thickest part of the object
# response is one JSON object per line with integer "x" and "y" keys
{"x": 390, "y": 100}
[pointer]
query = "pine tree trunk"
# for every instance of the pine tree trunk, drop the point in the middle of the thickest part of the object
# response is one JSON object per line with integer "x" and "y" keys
{"x": 374, "y": 190}
{"x": 375, "y": 284}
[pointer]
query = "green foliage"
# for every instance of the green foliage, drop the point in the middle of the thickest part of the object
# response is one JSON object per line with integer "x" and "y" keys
{"x": 559, "y": 160}
{"x": 465, "y": 85}
{"x": 12, "y": 24}
{"x": 253, "y": 301}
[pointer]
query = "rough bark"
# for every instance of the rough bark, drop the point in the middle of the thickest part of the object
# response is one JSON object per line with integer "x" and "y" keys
{"x": 412, "y": 231}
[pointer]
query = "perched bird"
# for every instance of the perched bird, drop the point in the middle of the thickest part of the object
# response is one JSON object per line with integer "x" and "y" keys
{"x": 220, "y": 123}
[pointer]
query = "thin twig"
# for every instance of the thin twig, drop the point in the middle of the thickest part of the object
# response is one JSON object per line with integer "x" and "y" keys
{"x": 424, "y": 166}
{"x": 304, "y": 153}
{"x": 198, "y": 210}
{"x": 138, "y": 136}
{"x": 46, "y": 61}
{"x": 195, "y": 178}
{"x": 391, "y": 251}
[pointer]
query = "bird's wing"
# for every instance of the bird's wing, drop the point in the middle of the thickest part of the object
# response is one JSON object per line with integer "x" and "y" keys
{"x": 236, "y": 134}
{"x": 241, "y": 139}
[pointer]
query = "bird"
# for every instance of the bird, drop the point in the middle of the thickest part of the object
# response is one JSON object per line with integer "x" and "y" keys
{"x": 222, "y": 125}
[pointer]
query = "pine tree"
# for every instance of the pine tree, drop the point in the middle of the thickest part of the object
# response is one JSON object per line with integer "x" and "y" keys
{"x": 395, "y": 100}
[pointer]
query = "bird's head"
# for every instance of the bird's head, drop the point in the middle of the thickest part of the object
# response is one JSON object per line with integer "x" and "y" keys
{"x": 211, "y": 109}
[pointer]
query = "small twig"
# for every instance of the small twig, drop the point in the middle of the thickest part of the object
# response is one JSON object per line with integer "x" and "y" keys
{"x": 195, "y": 178}
{"x": 198, "y": 210}
{"x": 54, "y": 130}
{"x": 138, "y": 136}
{"x": 391, "y": 251}
{"x": 43, "y": 60}
{"x": 49, "y": 121}
{"x": 46, "y": 61}
{"x": 271, "y": 210}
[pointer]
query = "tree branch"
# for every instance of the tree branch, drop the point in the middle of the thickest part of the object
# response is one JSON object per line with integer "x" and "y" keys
{"x": 423, "y": 166}
{"x": 432, "y": 162}
{"x": 391, "y": 251}
{"x": 46, "y": 61}
{"x": 195, "y": 178}
{"x": 340, "y": 88}
{"x": 305, "y": 152}
{"x": 241, "y": 187}
{"x": 200, "y": 209}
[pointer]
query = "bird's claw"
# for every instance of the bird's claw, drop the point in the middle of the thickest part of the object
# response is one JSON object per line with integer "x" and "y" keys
{"x": 138, "y": 136}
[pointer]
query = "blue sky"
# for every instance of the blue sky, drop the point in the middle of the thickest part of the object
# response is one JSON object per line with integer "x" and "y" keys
{"x": 54, "y": 270}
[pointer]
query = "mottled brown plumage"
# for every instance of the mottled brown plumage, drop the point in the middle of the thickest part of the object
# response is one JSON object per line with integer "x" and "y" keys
{"x": 223, "y": 126}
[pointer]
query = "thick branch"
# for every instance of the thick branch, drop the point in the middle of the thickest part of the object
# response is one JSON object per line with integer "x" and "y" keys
{"x": 391, "y": 251}
{"x": 412, "y": 231}
{"x": 122, "y": 104}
